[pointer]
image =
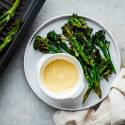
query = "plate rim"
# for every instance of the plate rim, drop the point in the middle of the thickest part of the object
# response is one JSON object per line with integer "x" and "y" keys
{"x": 38, "y": 29}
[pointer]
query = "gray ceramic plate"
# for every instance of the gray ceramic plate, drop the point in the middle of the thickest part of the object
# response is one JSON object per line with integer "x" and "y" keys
{"x": 31, "y": 57}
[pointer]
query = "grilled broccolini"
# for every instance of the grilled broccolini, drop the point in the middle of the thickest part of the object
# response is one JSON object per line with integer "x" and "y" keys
{"x": 4, "y": 19}
{"x": 45, "y": 45}
{"x": 11, "y": 35}
{"x": 100, "y": 40}
{"x": 83, "y": 45}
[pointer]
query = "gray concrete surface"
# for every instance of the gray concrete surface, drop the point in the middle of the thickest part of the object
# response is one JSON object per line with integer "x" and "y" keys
{"x": 18, "y": 104}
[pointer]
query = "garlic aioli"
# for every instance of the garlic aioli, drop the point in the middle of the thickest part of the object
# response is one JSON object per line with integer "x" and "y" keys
{"x": 60, "y": 75}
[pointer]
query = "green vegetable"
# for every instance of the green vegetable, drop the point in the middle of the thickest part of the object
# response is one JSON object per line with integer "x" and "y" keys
{"x": 9, "y": 15}
{"x": 45, "y": 45}
{"x": 77, "y": 22}
{"x": 81, "y": 41}
{"x": 67, "y": 31}
{"x": 105, "y": 68}
{"x": 11, "y": 35}
{"x": 83, "y": 45}
{"x": 103, "y": 44}
{"x": 88, "y": 77}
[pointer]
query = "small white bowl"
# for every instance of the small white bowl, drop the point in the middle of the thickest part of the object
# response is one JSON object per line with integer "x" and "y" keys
{"x": 75, "y": 91}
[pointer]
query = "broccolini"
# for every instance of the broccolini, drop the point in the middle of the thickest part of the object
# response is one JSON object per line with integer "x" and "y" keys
{"x": 83, "y": 45}
{"x": 11, "y": 35}
{"x": 4, "y": 19}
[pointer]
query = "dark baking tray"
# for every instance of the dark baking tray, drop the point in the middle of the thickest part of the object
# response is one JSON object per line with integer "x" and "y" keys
{"x": 27, "y": 11}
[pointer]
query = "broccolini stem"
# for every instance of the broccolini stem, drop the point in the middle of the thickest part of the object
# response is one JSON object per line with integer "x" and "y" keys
{"x": 113, "y": 68}
{"x": 88, "y": 78}
{"x": 9, "y": 15}
{"x": 107, "y": 56}
{"x": 11, "y": 35}
{"x": 14, "y": 8}
{"x": 96, "y": 78}
{"x": 79, "y": 49}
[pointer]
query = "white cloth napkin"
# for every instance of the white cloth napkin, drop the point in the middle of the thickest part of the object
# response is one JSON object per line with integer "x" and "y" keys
{"x": 110, "y": 112}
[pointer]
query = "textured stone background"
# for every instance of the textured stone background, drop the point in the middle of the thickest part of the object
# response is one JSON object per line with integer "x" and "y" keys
{"x": 18, "y": 104}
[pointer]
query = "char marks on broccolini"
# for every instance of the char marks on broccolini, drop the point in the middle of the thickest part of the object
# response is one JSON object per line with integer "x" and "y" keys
{"x": 5, "y": 18}
{"x": 10, "y": 35}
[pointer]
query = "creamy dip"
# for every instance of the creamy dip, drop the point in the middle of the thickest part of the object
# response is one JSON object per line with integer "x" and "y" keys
{"x": 60, "y": 75}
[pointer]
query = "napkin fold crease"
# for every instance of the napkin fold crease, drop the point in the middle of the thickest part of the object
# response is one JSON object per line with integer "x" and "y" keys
{"x": 110, "y": 112}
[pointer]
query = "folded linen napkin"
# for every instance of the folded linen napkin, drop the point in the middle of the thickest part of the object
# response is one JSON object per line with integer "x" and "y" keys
{"x": 110, "y": 112}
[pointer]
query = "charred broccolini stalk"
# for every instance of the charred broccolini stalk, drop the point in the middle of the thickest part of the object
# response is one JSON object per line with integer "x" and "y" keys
{"x": 69, "y": 32}
{"x": 11, "y": 35}
{"x": 102, "y": 67}
{"x": 105, "y": 68}
{"x": 4, "y": 19}
{"x": 100, "y": 40}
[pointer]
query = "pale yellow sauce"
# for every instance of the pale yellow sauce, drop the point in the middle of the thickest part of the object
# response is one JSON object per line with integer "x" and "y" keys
{"x": 60, "y": 75}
